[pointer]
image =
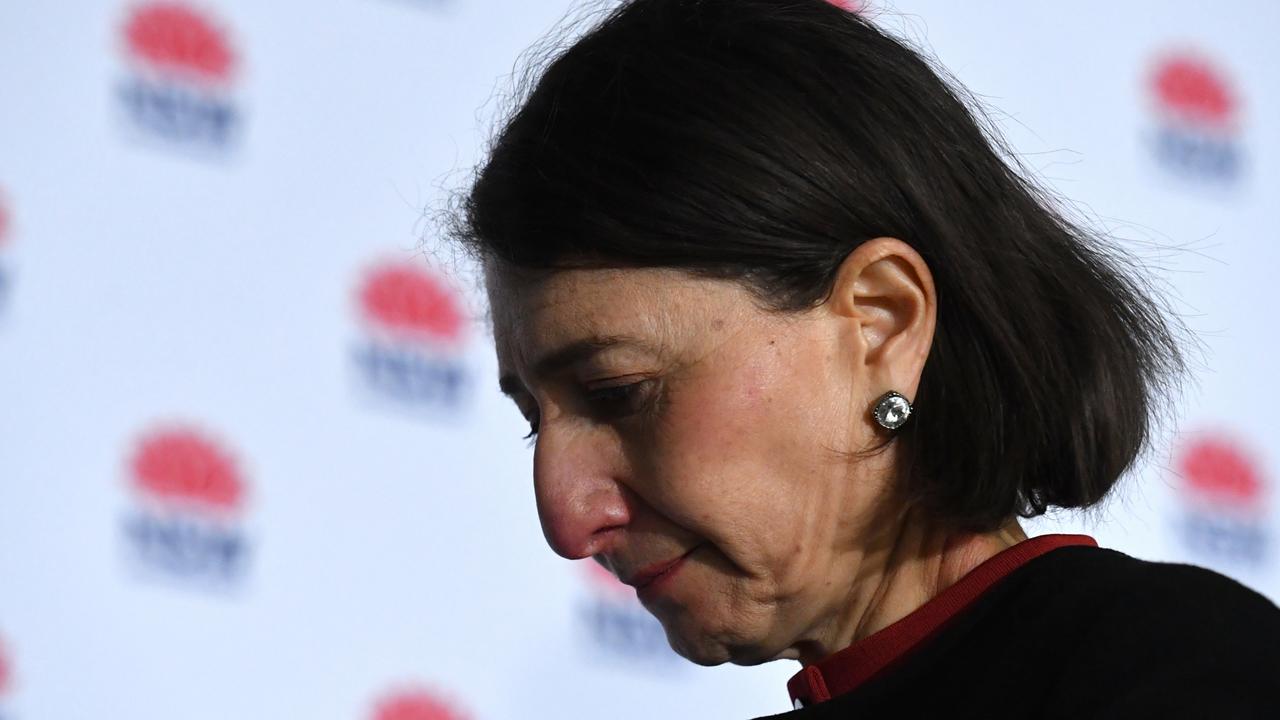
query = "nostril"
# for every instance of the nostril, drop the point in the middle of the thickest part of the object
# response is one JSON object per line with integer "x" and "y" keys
{"x": 602, "y": 541}
{"x": 572, "y": 541}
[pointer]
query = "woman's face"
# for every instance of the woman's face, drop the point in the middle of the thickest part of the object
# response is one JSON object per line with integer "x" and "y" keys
{"x": 678, "y": 421}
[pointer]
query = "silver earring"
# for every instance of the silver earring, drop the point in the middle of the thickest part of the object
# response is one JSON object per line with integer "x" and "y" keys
{"x": 892, "y": 410}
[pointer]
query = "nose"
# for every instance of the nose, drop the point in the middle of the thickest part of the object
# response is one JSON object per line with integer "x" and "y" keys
{"x": 581, "y": 504}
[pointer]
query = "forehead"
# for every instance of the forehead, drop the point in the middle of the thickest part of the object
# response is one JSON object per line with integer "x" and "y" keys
{"x": 537, "y": 311}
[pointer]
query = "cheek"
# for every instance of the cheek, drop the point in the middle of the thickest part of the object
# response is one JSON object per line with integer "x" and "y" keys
{"x": 739, "y": 460}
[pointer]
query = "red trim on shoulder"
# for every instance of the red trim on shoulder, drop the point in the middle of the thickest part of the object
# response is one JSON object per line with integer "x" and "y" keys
{"x": 845, "y": 670}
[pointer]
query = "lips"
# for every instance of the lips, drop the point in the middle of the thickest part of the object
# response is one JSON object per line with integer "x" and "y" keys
{"x": 651, "y": 573}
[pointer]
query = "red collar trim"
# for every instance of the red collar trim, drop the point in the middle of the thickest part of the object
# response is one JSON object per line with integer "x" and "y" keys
{"x": 845, "y": 670}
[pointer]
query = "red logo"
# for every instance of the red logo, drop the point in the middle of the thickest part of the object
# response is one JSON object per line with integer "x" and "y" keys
{"x": 182, "y": 466}
{"x": 406, "y": 300}
{"x": 1189, "y": 88}
{"x": 416, "y": 705}
{"x": 1218, "y": 471}
{"x": 187, "y": 525}
{"x": 413, "y": 325}
{"x": 174, "y": 38}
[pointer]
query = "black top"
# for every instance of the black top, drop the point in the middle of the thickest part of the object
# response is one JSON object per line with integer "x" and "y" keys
{"x": 1085, "y": 632}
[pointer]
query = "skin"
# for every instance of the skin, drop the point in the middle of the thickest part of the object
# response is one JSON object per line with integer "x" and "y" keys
{"x": 710, "y": 424}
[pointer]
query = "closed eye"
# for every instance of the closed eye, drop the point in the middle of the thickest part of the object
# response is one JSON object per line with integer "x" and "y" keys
{"x": 616, "y": 401}
{"x": 612, "y": 402}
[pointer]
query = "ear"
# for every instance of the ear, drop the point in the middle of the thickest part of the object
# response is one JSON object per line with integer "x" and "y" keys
{"x": 885, "y": 288}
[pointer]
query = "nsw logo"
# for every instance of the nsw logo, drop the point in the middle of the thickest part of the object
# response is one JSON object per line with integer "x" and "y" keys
{"x": 1196, "y": 115}
{"x": 615, "y": 624}
{"x": 1224, "y": 514}
{"x": 188, "y": 498}
{"x": 412, "y": 333}
{"x": 178, "y": 84}
{"x": 417, "y": 704}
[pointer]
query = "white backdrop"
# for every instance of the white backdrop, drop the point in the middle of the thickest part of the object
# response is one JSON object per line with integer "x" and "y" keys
{"x": 253, "y": 462}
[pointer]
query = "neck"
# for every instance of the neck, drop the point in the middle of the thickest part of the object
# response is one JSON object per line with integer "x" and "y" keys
{"x": 919, "y": 563}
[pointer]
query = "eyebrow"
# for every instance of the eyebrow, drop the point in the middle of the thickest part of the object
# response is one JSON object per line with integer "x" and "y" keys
{"x": 565, "y": 356}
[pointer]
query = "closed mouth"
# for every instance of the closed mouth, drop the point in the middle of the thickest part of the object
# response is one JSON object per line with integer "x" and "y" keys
{"x": 653, "y": 572}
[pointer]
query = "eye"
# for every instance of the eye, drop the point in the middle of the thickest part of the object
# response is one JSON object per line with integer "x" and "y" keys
{"x": 605, "y": 403}
{"x": 616, "y": 401}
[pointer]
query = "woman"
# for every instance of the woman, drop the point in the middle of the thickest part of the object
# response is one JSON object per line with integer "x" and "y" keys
{"x": 798, "y": 349}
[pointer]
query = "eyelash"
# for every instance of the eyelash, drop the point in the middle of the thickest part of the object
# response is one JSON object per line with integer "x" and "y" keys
{"x": 611, "y": 402}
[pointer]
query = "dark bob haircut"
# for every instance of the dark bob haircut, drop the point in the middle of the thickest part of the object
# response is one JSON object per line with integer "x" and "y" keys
{"x": 762, "y": 141}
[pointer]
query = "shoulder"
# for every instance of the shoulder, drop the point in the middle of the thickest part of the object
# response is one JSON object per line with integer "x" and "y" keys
{"x": 1182, "y": 608}
{"x": 1139, "y": 593}
{"x": 1154, "y": 636}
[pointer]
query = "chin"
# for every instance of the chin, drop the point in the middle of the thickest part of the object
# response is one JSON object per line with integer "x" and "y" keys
{"x": 704, "y": 647}
{"x": 698, "y": 653}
